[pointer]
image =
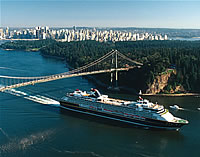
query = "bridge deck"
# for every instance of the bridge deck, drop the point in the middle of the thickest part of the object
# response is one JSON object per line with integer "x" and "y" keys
{"x": 60, "y": 76}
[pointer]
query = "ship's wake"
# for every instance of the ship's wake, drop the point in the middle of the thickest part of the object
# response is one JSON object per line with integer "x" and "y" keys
{"x": 77, "y": 153}
{"x": 180, "y": 108}
{"x": 20, "y": 144}
{"x": 185, "y": 109}
{"x": 34, "y": 97}
{"x": 4, "y": 133}
{"x": 190, "y": 110}
{"x": 7, "y": 68}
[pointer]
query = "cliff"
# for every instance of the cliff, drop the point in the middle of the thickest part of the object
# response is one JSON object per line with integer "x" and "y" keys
{"x": 161, "y": 82}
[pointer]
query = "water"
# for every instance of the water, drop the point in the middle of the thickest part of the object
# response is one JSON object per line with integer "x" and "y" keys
{"x": 31, "y": 124}
{"x": 184, "y": 39}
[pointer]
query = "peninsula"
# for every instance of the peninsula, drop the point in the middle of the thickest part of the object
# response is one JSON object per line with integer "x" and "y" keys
{"x": 170, "y": 67}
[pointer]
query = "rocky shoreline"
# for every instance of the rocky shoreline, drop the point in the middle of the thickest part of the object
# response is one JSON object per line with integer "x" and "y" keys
{"x": 159, "y": 83}
{"x": 173, "y": 95}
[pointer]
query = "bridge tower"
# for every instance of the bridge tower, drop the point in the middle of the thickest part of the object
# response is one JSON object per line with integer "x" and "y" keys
{"x": 9, "y": 82}
{"x": 114, "y": 63}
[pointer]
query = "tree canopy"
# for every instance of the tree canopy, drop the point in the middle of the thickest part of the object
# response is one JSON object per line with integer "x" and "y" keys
{"x": 157, "y": 57}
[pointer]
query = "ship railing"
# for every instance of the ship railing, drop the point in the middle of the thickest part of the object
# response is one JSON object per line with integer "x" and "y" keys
{"x": 116, "y": 109}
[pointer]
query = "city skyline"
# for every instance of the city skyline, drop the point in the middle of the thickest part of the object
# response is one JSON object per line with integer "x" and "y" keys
{"x": 74, "y": 34}
{"x": 120, "y": 13}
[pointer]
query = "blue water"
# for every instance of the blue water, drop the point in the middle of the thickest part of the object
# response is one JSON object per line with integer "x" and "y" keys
{"x": 184, "y": 39}
{"x": 29, "y": 128}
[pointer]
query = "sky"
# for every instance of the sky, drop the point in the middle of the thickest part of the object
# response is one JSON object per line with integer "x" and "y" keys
{"x": 100, "y": 13}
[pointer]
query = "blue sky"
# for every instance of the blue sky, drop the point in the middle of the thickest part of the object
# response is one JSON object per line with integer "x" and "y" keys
{"x": 101, "y": 13}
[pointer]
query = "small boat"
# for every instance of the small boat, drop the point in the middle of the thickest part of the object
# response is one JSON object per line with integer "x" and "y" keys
{"x": 198, "y": 108}
{"x": 175, "y": 107}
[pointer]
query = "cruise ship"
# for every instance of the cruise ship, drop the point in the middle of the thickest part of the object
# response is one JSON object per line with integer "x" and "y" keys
{"x": 142, "y": 112}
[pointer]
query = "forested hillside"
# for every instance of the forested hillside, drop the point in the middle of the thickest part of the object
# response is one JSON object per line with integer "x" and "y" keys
{"x": 157, "y": 56}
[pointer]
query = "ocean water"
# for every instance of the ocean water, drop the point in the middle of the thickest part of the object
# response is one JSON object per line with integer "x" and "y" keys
{"x": 185, "y": 39}
{"x": 32, "y": 124}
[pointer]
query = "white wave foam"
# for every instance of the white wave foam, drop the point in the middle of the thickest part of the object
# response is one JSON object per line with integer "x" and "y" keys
{"x": 182, "y": 108}
{"x": 25, "y": 142}
{"x": 77, "y": 152}
{"x": 7, "y": 68}
{"x": 4, "y": 133}
{"x": 36, "y": 98}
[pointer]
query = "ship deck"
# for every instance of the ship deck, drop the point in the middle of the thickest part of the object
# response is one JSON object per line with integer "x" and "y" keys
{"x": 113, "y": 101}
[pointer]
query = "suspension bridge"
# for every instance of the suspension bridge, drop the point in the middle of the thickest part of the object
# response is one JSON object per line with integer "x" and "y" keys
{"x": 111, "y": 62}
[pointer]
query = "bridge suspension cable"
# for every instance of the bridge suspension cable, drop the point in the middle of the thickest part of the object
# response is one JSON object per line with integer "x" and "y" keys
{"x": 7, "y": 81}
{"x": 123, "y": 56}
{"x": 69, "y": 72}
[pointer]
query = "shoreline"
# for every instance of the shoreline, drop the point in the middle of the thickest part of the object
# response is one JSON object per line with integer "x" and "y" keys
{"x": 28, "y": 50}
{"x": 196, "y": 37}
{"x": 172, "y": 95}
{"x": 99, "y": 83}
{"x": 19, "y": 39}
{"x": 104, "y": 86}
{"x": 8, "y": 49}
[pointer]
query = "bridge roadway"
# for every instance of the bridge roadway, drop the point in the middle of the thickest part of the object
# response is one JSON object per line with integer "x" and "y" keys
{"x": 61, "y": 76}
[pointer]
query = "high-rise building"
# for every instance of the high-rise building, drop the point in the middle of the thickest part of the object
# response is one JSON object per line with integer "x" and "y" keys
{"x": 165, "y": 37}
{"x": 156, "y": 37}
{"x": 46, "y": 29}
{"x": 1, "y": 33}
{"x": 7, "y": 31}
{"x": 43, "y": 35}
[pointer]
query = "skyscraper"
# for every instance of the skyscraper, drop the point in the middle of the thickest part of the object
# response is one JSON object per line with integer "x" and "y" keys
{"x": 1, "y": 34}
{"x": 7, "y": 31}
